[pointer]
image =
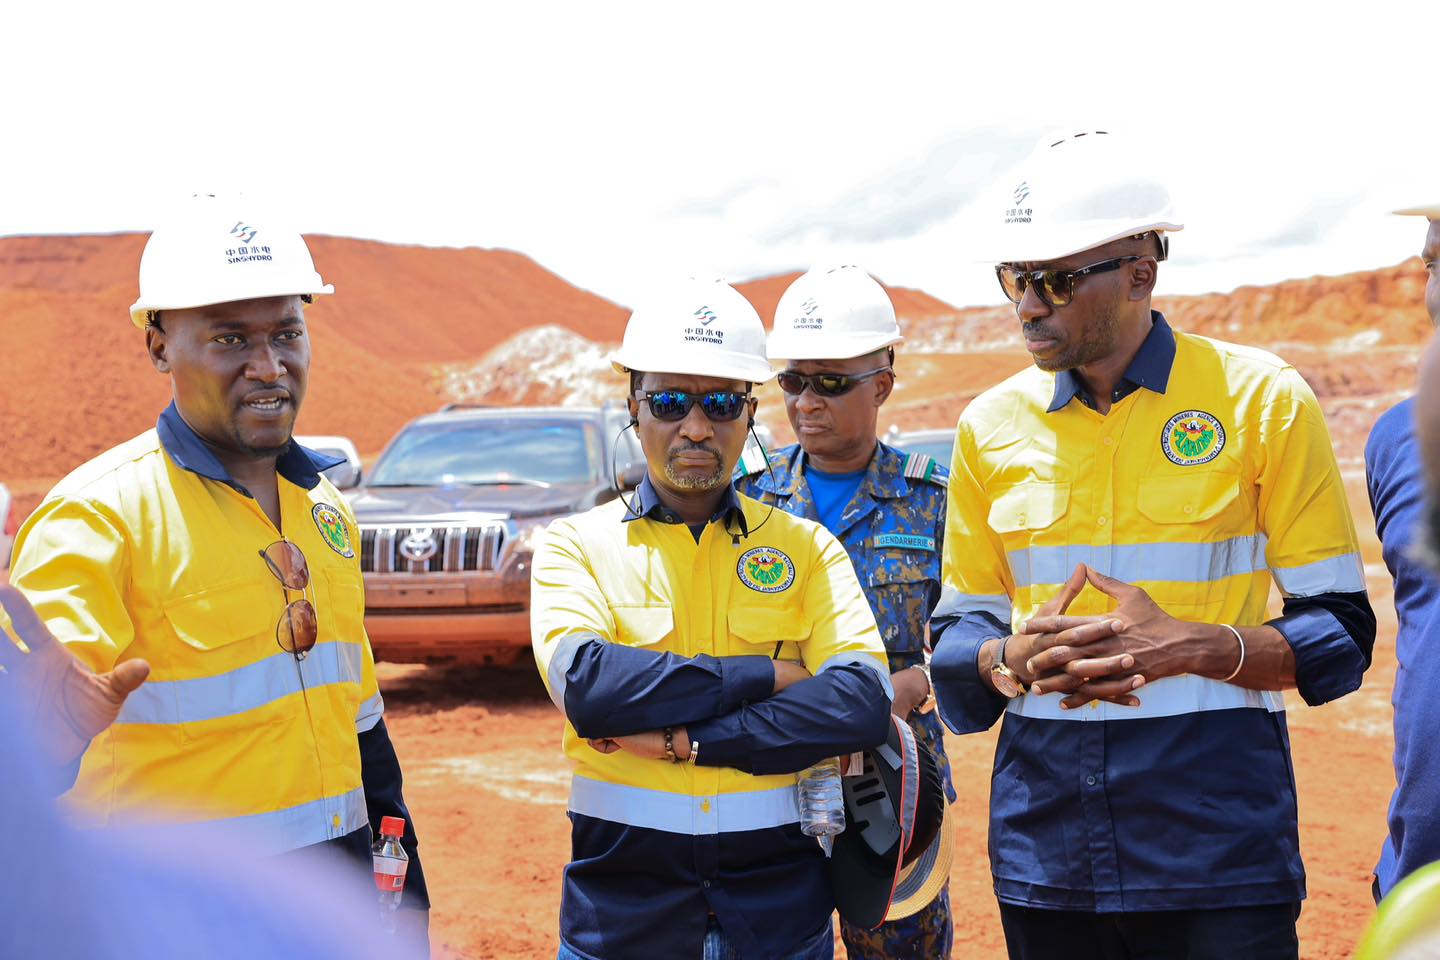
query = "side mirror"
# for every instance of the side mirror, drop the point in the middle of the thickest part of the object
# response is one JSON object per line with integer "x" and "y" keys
{"x": 345, "y": 476}
{"x": 631, "y": 474}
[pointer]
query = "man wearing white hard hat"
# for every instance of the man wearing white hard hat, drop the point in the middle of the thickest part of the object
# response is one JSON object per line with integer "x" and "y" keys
{"x": 212, "y": 548}
{"x": 704, "y": 649}
{"x": 1117, "y": 517}
{"x": 1395, "y": 471}
{"x": 835, "y": 328}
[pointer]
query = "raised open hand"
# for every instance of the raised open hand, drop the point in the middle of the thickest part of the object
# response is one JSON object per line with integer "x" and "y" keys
{"x": 64, "y": 703}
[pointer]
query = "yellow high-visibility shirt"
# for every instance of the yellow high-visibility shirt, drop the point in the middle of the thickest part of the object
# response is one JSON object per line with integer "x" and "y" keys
{"x": 1201, "y": 494}
{"x": 134, "y": 555}
{"x": 636, "y": 627}
{"x": 650, "y": 584}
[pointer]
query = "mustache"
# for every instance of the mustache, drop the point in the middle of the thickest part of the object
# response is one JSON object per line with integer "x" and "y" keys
{"x": 691, "y": 447}
{"x": 1037, "y": 330}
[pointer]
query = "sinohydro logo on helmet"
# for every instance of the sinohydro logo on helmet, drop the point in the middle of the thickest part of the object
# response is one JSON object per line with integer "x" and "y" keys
{"x": 810, "y": 317}
{"x": 701, "y": 332}
{"x": 1192, "y": 438}
{"x": 246, "y": 252}
{"x": 1019, "y": 213}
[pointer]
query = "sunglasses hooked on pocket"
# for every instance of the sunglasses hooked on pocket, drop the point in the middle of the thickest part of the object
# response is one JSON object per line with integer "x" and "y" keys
{"x": 298, "y": 628}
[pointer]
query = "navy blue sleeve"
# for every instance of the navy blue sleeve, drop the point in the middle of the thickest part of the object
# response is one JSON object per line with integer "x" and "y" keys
{"x": 965, "y": 701}
{"x": 380, "y": 774}
{"x": 614, "y": 691}
{"x": 843, "y": 709}
{"x": 1333, "y": 636}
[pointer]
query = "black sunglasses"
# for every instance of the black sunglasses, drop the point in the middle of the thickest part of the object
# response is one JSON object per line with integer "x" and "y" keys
{"x": 1055, "y": 288}
{"x": 718, "y": 405}
{"x": 825, "y": 384}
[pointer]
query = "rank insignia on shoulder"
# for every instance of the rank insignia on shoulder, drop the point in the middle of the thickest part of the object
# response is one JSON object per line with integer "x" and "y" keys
{"x": 919, "y": 466}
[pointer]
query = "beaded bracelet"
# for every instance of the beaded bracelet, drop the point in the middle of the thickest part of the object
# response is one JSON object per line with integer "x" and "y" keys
{"x": 670, "y": 745}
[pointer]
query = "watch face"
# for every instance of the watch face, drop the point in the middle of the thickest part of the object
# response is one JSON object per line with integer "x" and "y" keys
{"x": 1005, "y": 685}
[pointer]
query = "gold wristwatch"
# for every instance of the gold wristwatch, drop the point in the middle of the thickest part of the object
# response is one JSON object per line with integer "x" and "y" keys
{"x": 929, "y": 702}
{"x": 1007, "y": 682}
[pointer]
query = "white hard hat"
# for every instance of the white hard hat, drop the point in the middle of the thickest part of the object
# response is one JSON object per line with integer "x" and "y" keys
{"x": 1073, "y": 194}
{"x": 833, "y": 313}
{"x": 704, "y": 328}
{"x": 1428, "y": 210}
{"x": 211, "y": 253}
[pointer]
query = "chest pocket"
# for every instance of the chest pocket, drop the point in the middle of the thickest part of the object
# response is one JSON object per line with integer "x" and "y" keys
{"x": 902, "y": 586}
{"x": 755, "y": 630}
{"x": 1028, "y": 507}
{"x": 225, "y": 663}
{"x": 341, "y": 611}
{"x": 1189, "y": 499}
{"x": 643, "y": 625}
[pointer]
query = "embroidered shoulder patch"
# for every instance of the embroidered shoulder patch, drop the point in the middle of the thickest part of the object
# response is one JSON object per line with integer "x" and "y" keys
{"x": 766, "y": 570}
{"x": 333, "y": 528}
{"x": 1192, "y": 438}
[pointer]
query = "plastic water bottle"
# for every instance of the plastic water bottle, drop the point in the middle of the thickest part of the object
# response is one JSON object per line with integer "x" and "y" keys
{"x": 822, "y": 802}
{"x": 391, "y": 862}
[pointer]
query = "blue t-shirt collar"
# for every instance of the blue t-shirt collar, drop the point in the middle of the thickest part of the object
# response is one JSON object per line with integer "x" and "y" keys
{"x": 300, "y": 465}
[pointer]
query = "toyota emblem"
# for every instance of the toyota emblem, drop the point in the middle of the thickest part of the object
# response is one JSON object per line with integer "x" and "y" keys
{"x": 420, "y": 546}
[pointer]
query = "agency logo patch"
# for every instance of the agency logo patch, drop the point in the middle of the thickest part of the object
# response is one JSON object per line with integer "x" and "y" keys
{"x": 766, "y": 570}
{"x": 1192, "y": 438}
{"x": 333, "y": 528}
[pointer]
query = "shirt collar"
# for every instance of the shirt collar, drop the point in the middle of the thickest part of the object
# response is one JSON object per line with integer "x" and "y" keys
{"x": 300, "y": 465}
{"x": 1150, "y": 368}
{"x": 647, "y": 505}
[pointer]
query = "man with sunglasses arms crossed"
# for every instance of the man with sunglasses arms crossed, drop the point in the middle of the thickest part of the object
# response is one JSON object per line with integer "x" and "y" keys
{"x": 212, "y": 548}
{"x": 836, "y": 329}
{"x": 1142, "y": 802}
{"x": 678, "y": 632}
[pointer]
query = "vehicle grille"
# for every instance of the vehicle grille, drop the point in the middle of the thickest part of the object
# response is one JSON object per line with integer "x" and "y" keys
{"x": 456, "y": 548}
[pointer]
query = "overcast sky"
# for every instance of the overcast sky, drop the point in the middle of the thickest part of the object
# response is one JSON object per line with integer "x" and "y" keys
{"x": 619, "y": 144}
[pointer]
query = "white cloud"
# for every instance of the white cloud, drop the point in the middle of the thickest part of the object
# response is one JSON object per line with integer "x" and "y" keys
{"x": 620, "y": 142}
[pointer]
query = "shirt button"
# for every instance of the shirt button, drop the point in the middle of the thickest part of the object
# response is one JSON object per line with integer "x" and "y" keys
{"x": 1101, "y": 520}
{"x": 1021, "y": 518}
{"x": 1189, "y": 508}
{"x": 704, "y": 806}
{"x": 1109, "y": 441}
{"x": 707, "y": 884}
{"x": 1090, "y": 781}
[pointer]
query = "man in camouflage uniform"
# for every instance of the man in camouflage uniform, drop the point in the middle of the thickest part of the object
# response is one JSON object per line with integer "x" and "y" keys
{"x": 836, "y": 329}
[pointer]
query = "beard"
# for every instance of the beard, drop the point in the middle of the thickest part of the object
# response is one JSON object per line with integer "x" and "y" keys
{"x": 1095, "y": 341}
{"x": 691, "y": 480}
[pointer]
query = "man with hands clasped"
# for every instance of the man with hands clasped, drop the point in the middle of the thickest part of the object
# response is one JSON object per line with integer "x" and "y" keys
{"x": 1117, "y": 516}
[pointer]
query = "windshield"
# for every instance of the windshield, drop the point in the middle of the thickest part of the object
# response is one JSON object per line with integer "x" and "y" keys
{"x": 492, "y": 451}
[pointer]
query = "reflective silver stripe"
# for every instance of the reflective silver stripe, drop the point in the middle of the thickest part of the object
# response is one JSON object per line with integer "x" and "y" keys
{"x": 682, "y": 813}
{"x": 865, "y": 660}
{"x": 953, "y": 603}
{"x": 1343, "y": 574}
{"x": 280, "y": 831}
{"x": 1135, "y": 562}
{"x": 1167, "y": 697}
{"x": 369, "y": 713}
{"x": 560, "y": 660}
{"x": 246, "y": 688}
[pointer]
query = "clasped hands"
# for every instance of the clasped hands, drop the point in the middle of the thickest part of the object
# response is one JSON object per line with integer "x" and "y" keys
{"x": 1103, "y": 657}
{"x": 650, "y": 745}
